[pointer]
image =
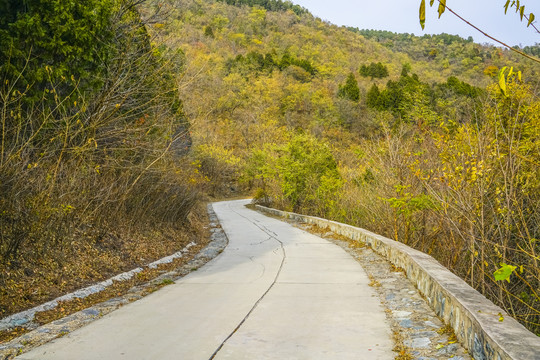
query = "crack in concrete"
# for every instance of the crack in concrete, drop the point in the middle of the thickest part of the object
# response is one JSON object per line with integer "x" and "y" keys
{"x": 261, "y": 242}
{"x": 284, "y": 256}
{"x": 261, "y": 265}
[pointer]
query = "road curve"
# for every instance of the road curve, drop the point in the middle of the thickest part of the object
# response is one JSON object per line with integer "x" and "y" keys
{"x": 276, "y": 292}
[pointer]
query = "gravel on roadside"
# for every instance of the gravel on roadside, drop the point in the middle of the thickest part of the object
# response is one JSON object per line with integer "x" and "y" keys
{"x": 418, "y": 332}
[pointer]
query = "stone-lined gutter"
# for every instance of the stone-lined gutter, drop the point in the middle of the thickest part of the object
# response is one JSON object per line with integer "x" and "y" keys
{"x": 27, "y": 316}
{"x": 474, "y": 318}
{"x": 45, "y": 333}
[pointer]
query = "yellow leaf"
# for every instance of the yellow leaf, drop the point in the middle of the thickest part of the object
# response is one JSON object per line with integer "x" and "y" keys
{"x": 423, "y": 14}
{"x": 442, "y": 7}
{"x": 502, "y": 81}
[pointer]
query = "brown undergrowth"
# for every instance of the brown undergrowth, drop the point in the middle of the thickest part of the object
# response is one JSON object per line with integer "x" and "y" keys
{"x": 118, "y": 288}
{"x": 7, "y": 335}
{"x": 90, "y": 261}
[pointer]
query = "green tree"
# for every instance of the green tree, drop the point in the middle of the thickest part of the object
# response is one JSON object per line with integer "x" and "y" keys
{"x": 460, "y": 87}
{"x": 309, "y": 174}
{"x": 373, "y": 98}
{"x": 401, "y": 96}
{"x": 374, "y": 70}
{"x": 350, "y": 89}
{"x": 48, "y": 41}
{"x": 208, "y": 31}
{"x": 272, "y": 5}
{"x": 287, "y": 60}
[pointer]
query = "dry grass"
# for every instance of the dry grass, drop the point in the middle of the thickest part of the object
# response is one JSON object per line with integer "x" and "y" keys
{"x": 395, "y": 268}
{"x": 7, "y": 335}
{"x": 373, "y": 282}
{"x": 353, "y": 244}
{"x": 449, "y": 331}
{"x": 198, "y": 234}
{"x": 324, "y": 231}
{"x": 402, "y": 351}
{"x": 85, "y": 263}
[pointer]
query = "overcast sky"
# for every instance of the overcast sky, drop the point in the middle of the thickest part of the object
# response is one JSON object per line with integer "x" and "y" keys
{"x": 402, "y": 16}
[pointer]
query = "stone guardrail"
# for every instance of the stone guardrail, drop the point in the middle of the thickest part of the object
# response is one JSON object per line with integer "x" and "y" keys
{"x": 473, "y": 317}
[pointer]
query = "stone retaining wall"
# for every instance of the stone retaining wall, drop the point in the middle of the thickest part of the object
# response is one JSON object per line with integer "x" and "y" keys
{"x": 475, "y": 319}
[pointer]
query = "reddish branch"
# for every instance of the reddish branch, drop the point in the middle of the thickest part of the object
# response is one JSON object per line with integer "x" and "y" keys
{"x": 492, "y": 38}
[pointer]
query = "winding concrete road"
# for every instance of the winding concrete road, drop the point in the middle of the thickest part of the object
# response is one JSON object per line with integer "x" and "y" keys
{"x": 276, "y": 292}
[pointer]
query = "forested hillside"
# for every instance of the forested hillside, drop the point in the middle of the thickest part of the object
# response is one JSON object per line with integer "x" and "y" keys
{"x": 432, "y": 141}
{"x": 411, "y": 137}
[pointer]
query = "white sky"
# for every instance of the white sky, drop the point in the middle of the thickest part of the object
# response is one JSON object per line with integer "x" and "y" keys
{"x": 402, "y": 16}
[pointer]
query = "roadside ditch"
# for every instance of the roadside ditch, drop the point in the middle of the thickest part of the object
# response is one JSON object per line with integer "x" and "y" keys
{"x": 31, "y": 328}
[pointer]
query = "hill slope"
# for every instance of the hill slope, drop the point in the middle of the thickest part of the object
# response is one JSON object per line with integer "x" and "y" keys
{"x": 106, "y": 157}
{"x": 407, "y": 136}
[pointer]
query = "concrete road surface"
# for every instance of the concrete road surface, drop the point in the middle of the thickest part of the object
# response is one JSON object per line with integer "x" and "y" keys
{"x": 276, "y": 292}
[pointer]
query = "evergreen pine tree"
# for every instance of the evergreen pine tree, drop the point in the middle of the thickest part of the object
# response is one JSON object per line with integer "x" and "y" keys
{"x": 350, "y": 89}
